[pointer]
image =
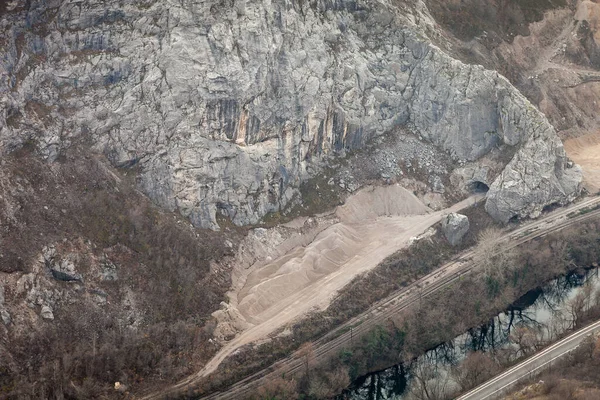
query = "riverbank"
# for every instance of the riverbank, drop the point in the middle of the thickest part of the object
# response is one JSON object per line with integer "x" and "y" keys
{"x": 540, "y": 317}
{"x": 469, "y": 302}
{"x": 576, "y": 376}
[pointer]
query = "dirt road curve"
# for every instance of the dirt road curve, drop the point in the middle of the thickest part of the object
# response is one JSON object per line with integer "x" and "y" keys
{"x": 380, "y": 311}
{"x": 535, "y": 364}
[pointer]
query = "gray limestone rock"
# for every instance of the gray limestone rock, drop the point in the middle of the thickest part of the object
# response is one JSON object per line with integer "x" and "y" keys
{"x": 62, "y": 270}
{"x": 455, "y": 227}
{"x": 538, "y": 175}
{"x": 471, "y": 176}
{"x": 65, "y": 271}
{"x": 100, "y": 296}
{"x": 108, "y": 271}
{"x": 48, "y": 254}
{"x": 227, "y": 108}
{"x": 47, "y": 313}
{"x": 5, "y": 316}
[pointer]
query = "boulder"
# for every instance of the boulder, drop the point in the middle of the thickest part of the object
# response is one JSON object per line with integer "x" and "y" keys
{"x": 49, "y": 254}
{"x": 65, "y": 271}
{"x": 108, "y": 271}
{"x": 455, "y": 227}
{"x": 119, "y": 387}
{"x": 47, "y": 313}
{"x": 62, "y": 270}
{"x": 5, "y": 316}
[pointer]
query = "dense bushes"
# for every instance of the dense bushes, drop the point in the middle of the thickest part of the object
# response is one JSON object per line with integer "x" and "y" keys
{"x": 163, "y": 266}
{"x": 83, "y": 356}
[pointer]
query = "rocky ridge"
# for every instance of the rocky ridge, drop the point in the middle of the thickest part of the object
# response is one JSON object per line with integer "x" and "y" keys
{"x": 226, "y": 108}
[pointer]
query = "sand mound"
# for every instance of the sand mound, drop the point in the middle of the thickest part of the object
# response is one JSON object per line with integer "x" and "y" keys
{"x": 585, "y": 151}
{"x": 364, "y": 226}
{"x": 296, "y": 270}
{"x": 370, "y": 203}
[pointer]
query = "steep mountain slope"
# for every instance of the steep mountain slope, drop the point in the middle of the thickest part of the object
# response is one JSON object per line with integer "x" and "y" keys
{"x": 228, "y": 106}
{"x": 549, "y": 49}
{"x": 97, "y": 285}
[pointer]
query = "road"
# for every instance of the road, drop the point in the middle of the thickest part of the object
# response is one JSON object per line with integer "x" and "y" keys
{"x": 377, "y": 314}
{"x": 533, "y": 365}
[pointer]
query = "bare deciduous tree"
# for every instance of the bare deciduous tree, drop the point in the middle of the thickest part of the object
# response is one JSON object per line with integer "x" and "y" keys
{"x": 307, "y": 353}
{"x": 526, "y": 339}
{"x": 278, "y": 389}
{"x": 491, "y": 256}
{"x": 428, "y": 383}
{"x": 579, "y": 305}
{"x": 475, "y": 369}
{"x": 329, "y": 384}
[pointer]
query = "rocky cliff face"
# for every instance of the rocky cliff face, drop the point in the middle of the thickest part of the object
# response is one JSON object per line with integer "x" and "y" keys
{"x": 226, "y": 106}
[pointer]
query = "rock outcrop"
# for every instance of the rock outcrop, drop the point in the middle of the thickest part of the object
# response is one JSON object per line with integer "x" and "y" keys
{"x": 538, "y": 175}
{"x": 65, "y": 271}
{"x": 455, "y": 227}
{"x": 4, "y": 314}
{"x": 62, "y": 270}
{"x": 226, "y": 108}
{"x": 46, "y": 313}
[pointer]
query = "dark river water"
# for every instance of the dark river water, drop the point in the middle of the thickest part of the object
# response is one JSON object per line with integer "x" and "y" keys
{"x": 544, "y": 310}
